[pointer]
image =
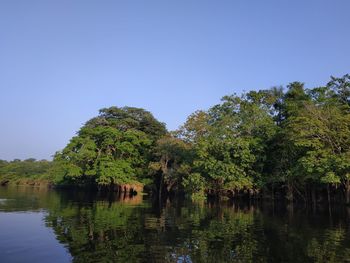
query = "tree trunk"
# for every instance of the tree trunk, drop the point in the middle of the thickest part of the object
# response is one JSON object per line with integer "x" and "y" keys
{"x": 313, "y": 197}
{"x": 164, "y": 172}
{"x": 328, "y": 194}
{"x": 347, "y": 192}
{"x": 160, "y": 187}
{"x": 329, "y": 204}
{"x": 290, "y": 192}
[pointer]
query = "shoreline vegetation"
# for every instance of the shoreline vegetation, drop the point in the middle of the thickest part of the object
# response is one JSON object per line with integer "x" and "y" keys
{"x": 288, "y": 143}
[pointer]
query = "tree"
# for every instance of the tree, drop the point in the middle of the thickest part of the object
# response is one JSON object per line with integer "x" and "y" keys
{"x": 111, "y": 149}
{"x": 230, "y": 142}
{"x": 172, "y": 155}
{"x": 195, "y": 127}
{"x": 323, "y": 131}
{"x": 283, "y": 154}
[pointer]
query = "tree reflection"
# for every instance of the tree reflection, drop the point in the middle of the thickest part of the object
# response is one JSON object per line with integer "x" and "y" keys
{"x": 102, "y": 231}
{"x": 120, "y": 232}
{"x": 97, "y": 228}
{"x": 330, "y": 247}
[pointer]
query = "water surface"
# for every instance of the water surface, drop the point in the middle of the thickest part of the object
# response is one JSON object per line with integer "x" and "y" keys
{"x": 38, "y": 225}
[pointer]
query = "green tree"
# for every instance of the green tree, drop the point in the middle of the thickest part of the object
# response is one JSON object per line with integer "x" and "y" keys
{"x": 173, "y": 155}
{"x": 323, "y": 131}
{"x": 111, "y": 149}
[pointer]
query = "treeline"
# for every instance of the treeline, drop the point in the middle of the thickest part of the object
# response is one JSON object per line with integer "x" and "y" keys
{"x": 288, "y": 142}
{"x": 29, "y": 171}
{"x": 292, "y": 143}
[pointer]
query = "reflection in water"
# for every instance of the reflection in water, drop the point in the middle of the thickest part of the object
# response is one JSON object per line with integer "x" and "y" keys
{"x": 109, "y": 228}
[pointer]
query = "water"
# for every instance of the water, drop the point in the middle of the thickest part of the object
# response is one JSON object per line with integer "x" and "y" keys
{"x": 38, "y": 225}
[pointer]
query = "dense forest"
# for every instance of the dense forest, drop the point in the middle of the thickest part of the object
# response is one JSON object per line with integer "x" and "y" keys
{"x": 291, "y": 142}
{"x": 28, "y": 172}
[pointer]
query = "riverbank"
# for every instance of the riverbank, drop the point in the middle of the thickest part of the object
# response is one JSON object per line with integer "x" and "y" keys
{"x": 27, "y": 182}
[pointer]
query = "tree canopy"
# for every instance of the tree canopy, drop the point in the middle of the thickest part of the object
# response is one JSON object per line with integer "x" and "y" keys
{"x": 292, "y": 142}
{"x": 113, "y": 148}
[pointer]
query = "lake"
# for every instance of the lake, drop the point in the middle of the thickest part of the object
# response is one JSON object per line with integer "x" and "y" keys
{"x": 41, "y": 225}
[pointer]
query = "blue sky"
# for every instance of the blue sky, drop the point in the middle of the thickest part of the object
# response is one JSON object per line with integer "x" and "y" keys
{"x": 61, "y": 61}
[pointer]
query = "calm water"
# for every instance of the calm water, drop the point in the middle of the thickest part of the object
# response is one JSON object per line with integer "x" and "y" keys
{"x": 60, "y": 226}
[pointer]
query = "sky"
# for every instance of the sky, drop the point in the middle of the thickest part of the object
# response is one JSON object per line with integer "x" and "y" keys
{"x": 61, "y": 61}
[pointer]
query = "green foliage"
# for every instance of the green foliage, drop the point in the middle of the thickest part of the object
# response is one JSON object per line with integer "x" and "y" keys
{"x": 172, "y": 156}
{"x": 29, "y": 171}
{"x": 111, "y": 149}
{"x": 230, "y": 142}
{"x": 271, "y": 138}
{"x": 320, "y": 131}
{"x": 225, "y": 162}
{"x": 194, "y": 184}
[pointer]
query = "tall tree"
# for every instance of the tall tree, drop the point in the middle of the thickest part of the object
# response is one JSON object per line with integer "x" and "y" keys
{"x": 113, "y": 148}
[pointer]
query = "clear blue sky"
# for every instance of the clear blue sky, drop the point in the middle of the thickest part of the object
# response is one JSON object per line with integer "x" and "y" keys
{"x": 61, "y": 61}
